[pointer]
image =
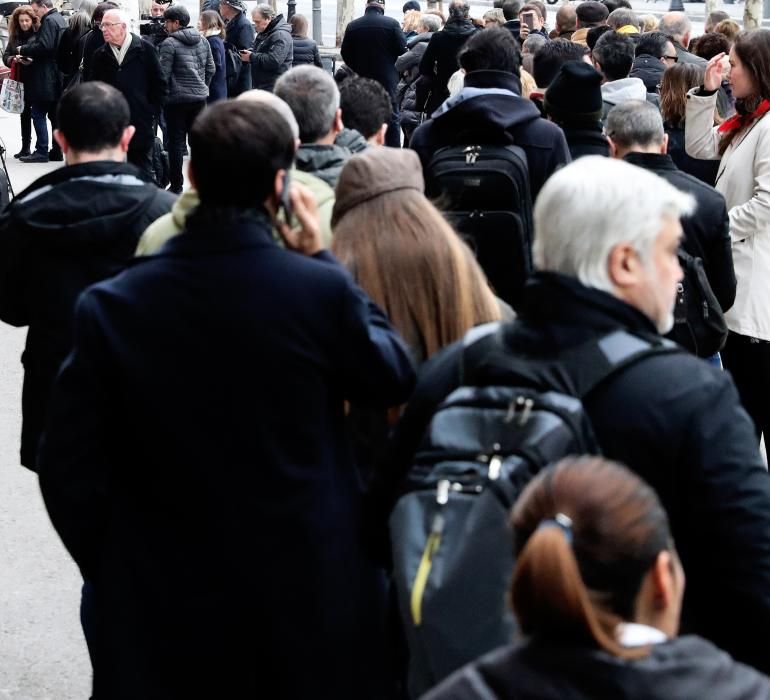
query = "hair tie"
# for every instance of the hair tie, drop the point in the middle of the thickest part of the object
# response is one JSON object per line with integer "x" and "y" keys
{"x": 563, "y": 522}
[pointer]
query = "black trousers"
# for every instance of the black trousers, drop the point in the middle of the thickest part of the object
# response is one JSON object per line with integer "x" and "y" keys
{"x": 179, "y": 121}
{"x": 748, "y": 360}
{"x": 141, "y": 157}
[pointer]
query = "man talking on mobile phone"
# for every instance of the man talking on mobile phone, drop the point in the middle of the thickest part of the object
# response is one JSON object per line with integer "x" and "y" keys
{"x": 196, "y": 463}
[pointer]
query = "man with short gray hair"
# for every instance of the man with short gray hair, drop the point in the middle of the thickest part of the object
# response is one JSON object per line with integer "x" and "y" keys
{"x": 635, "y": 131}
{"x": 678, "y": 26}
{"x": 605, "y": 250}
{"x": 314, "y": 98}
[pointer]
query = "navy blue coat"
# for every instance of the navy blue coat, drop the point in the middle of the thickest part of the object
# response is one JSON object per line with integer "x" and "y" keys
{"x": 198, "y": 469}
{"x": 218, "y": 85}
{"x": 240, "y": 33}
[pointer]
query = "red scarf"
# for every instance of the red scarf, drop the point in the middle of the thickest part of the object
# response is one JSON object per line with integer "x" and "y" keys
{"x": 739, "y": 121}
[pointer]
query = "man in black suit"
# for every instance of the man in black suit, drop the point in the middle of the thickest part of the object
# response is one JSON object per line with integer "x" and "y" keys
{"x": 370, "y": 47}
{"x": 196, "y": 463}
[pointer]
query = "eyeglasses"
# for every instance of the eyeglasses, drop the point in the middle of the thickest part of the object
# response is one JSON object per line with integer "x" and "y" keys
{"x": 107, "y": 25}
{"x": 671, "y": 58}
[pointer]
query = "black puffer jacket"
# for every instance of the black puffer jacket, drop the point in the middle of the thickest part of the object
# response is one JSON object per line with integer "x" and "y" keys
{"x": 305, "y": 52}
{"x": 687, "y": 667}
{"x": 439, "y": 62}
{"x": 273, "y": 54}
{"x": 649, "y": 70}
{"x": 57, "y": 237}
{"x": 408, "y": 67}
{"x": 678, "y": 423}
{"x": 42, "y": 79}
{"x": 12, "y": 48}
{"x": 187, "y": 65}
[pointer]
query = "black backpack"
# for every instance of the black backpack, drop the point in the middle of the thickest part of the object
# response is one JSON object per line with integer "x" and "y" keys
{"x": 699, "y": 323}
{"x": 484, "y": 192}
{"x": 452, "y": 546}
{"x": 233, "y": 66}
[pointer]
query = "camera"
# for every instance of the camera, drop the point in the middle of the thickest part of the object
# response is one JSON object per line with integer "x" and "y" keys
{"x": 153, "y": 28}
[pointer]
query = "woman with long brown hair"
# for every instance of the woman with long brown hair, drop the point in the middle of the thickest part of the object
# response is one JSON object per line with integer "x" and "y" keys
{"x": 404, "y": 254}
{"x": 597, "y": 590}
{"x": 676, "y": 82}
{"x": 22, "y": 26}
{"x": 743, "y": 142}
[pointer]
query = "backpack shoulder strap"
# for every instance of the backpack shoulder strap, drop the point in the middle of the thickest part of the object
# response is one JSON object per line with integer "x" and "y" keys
{"x": 592, "y": 363}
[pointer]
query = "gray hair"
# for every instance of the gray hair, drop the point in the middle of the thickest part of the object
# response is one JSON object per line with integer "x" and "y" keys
{"x": 676, "y": 25}
{"x": 265, "y": 10}
{"x": 314, "y": 99}
{"x": 122, "y": 16}
{"x": 533, "y": 43}
{"x": 621, "y": 17}
{"x": 459, "y": 9}
{"x": 593, "y": 205}
{"x": 271, "y": 100}
{"x": 431, "y": 23}
{"x": 636, "y": 122}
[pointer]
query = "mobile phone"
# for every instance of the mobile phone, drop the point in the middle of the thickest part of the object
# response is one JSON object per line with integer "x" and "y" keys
{"x": 529, "y": 19}
{"x": 285, "y": 199}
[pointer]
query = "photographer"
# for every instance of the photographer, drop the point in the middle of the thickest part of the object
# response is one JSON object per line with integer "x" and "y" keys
{"x": 152, "y": 27}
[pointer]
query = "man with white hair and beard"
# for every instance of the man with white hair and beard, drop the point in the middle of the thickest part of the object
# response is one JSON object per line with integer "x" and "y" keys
{"x": 605, "y": 250}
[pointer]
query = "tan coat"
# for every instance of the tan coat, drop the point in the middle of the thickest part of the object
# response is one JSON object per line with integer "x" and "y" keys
{"x": 744, "y": 180}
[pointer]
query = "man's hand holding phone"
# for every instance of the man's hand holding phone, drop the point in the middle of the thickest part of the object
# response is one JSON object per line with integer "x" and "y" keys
{"x": 245, "y": 55}
{"x": 298, "y": 201}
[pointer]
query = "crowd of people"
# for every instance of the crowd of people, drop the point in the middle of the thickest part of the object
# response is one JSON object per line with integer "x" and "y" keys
{"x": 480, "y": 242}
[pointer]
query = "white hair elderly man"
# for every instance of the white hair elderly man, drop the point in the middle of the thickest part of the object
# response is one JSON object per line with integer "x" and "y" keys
{"x": 131, "y": 65}
{"x": 606, "y": 239}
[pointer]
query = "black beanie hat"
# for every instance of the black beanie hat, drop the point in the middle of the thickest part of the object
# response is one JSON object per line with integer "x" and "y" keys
{"x": 575, "y": 95}
{"x": 591, "y": 13}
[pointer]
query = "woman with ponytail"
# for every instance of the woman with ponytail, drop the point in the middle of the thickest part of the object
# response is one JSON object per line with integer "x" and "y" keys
{"x": 743, "y": 143}
{"x": 597, "y": 592}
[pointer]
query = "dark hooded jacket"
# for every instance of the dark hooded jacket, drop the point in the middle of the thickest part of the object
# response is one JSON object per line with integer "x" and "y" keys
{"x": 273, "y": 54}
{"x": 408, "y": 67}
{"x": 323, "y": 161}
{"x": 239, "y": 33}
{"x": 439, "y": 62}
{"x": 687, "y": 667}
{"x": 586, "y": 142}
{"x": 371, "y": 45}
{"x": 489, "y": 110}
{"x": 649, "y": 70}
{"x": 678, "y": 423}
{"x": 187, "y": 65}
{"x": 69, "y": 229}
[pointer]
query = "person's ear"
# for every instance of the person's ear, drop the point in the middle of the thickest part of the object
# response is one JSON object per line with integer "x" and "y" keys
{"x": 191, "y": 175}
{"x": 125, "y": 139}
{"x": 61, "y": 139}
{"x": 273, "y": 199}
{"x": 624, "y": 266}
{"x": 664, "y": 145}
{"x": 664, "y": 583}
{"x": 613, "y": 148}
{"x": 379, "y": 136}
{"x": 338, "y": 125}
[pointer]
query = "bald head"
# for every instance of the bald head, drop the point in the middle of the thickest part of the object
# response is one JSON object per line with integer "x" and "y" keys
{"x": 115, "y": 25}
{"x": 677, "y": 25}
{"x": 566, "y": 19}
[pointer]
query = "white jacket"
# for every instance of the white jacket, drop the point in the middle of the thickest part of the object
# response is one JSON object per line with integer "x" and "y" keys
{"x": 744, "y": 180}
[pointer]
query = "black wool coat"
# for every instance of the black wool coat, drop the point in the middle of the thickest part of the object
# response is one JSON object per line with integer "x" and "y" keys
{"x": 57, "y": 237}
{"x": 140, "y": 80}
{"x": 371, "y": 45}
{"x": 42, "y": 78}
{"x": 678, "y": 423}
{"x": 215, "y": 505}
{"x": 239, "y": 33}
